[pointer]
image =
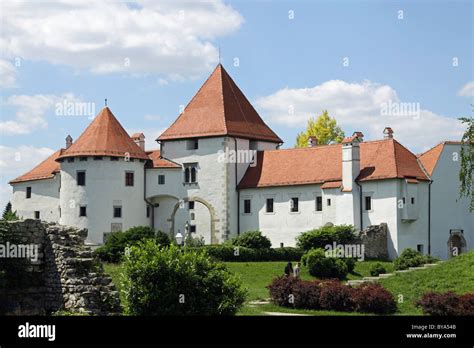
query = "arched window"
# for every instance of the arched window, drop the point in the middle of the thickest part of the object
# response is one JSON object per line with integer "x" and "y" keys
{"x": 193, "y": 174}
{"x": 186, "y": 174}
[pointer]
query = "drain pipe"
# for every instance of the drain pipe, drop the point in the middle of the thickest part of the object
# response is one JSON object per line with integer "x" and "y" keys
{"x": 360, "y": 206}
{"x": 429, "y": 217}
{"x": 237, "y": 189}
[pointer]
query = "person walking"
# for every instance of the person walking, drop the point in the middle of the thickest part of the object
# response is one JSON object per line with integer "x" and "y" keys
{"x": 296, "y": 270}
{"x": 288, "y": 269}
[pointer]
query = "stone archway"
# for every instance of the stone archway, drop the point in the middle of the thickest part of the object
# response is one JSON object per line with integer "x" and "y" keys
{"x": 212, "y": 212}
{"x": 456, "y": 243}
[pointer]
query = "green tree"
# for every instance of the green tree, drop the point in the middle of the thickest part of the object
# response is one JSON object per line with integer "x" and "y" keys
{"x": 8, "y": 214}
{"x": 466, "y": 172}
{"x": 324, "y": 128}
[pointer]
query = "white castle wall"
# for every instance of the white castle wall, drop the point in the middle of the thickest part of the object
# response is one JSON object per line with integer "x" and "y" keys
{"x": 447, "y": 210}
{"x": 105, "y": 187}
{"x": 44, "y": 198}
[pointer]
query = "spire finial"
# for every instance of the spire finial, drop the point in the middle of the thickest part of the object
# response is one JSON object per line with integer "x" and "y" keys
{"x": 219, "y": 54}
{"x": 106, "y": 102}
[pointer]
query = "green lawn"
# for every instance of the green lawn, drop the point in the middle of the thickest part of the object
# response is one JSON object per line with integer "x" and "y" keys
{"x": 456, "y": 274}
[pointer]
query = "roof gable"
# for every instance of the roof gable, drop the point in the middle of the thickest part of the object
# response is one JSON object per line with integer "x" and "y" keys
{"x": 160, "y": 162}
{"x": 219, "y": 108}
{"x": 105, "y": 136}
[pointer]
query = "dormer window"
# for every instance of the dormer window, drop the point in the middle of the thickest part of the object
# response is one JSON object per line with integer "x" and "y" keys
{"x": 192, "y": 144}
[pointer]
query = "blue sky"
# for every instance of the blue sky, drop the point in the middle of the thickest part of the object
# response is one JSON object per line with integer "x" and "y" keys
{"x": 290, "y": 56}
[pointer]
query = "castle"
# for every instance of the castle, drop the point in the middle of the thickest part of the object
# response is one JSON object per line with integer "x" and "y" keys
{"x": 219, "y": 172}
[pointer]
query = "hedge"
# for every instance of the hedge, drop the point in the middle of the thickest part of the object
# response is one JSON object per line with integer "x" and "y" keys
{"x": 229, "y": 253}
{"x": 319, "y": 238}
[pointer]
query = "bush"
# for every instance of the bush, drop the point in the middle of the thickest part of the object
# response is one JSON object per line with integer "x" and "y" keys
{"x": 373, "y": 298}
{"x": 114, "y": 247}
{"x": 330, "y": 295}
{"x": 447, "y": 303}
{"x": 229, "y": 253}
{"x": 252, "y": 240}
{"x": 176, "y": 281}
{"x": 319, "y": 238}
{"x": 412, "y": 258}
{"x": 281, "y": 289}
{"x": 194, "y": 242}
{"x": 336, "y": 296}
{"x": 321, "y": 266}
{"x": 376, "y": 269}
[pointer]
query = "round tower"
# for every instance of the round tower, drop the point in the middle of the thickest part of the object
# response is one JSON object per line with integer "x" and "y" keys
{"x": 102, "y": 180}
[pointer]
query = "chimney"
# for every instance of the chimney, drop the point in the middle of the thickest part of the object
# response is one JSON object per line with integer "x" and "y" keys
{"x": 312, "y": 141}
{"x": 139, "y": 139}
{"x": 68, "y": 141}
{"x": 388, "y": 133}
{"x": 359, "y": 135}
{"x": 350, "y": 161}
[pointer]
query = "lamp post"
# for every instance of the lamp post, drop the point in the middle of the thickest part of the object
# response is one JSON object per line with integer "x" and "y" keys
{"x": 179, "y": 238}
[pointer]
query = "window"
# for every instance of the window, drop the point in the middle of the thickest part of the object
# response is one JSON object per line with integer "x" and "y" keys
{"x": 368, "y": 203}
{"x": 328, "y": 202}
{"x": 247, "y": 206}
{"x": 37, "y": 214}
{"x": 192, "y": 144}
{"x": 117, "y": 212}
{"x": 81, "y": 178}
{"x": 161, "y": 179}
{"x": 128, "y": 178}
{"x": 269, "y": 205}
{"x": 319, "y": 203}
{"x": 190, "y": 173}
{"x": 403, "y": 200}
{"x": 147, "y": 211}
{"x": 98, "y": 158}
{"x": 413, "y": 200}
{"x": 70, "y": 159}
{"x": 191, "y": 205}
{"x": 83, "y": 211}
{"x": 294, "y": 205}
{"x": 192, "y": 228}
{"x": 83, "y": 159}
{"x": 114, "y": 158}
{"x": 253, "y": 145}
{"x": 282, "y": 245}
{"x": 28, "y": 192}
{"x": 419, "y": 247}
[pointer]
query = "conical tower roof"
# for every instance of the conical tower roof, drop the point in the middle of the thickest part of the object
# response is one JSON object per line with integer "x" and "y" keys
{"x": 105, "y": 136}
{"x": 219, "y": 108}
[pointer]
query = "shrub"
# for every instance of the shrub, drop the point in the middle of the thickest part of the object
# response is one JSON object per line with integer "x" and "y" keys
{"x": 447, "y": 303}
{"x": 412, "y": 258}
{"x": 336, "y": 296}
{"x": 321, "y": 266}
{"x": 252, "y": 240}
{"x": 319, "y": 238}
{"x": 376, "y": 269}
{"x": 114, "y": 247}
{"x": 281, "y": 288}
{"x": 330, "y": 295}
{"x": 176, "y": 281}
{"x": 373, "y": 298}
{"x": 194, "y": 242}
{"x": 229, "y": 253}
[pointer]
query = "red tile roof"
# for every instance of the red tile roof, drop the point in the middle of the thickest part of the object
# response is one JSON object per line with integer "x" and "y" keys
{"x": 430, "y": 158}
{"x": 219, "y": 108}
{"x": 160, "y": 162}
{"x": 380, "y": 159}
{"x": 45, "y": 170}
{"x": 331, "y": 184}
{"x": 105, "y": 136}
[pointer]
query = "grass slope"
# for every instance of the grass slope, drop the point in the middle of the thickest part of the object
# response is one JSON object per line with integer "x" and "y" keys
{"x": 456, "y": 274}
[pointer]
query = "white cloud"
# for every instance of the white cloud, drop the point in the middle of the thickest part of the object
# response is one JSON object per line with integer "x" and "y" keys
{"x": 7, "y": 74}
{"x": 15, "y": 161}
{"x": 467, "y": 90}
{"x": 360, "y": 106}
{"x": 171, "y": 37}
{"x": 153, "y": 117}
{"x": 31, "y": 111}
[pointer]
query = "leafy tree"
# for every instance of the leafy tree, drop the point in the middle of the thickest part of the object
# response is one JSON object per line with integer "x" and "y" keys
{"x": 324, "y": 128}
{"x": 8, "y": 214}
{"x": 466, "y": 172}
